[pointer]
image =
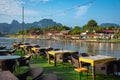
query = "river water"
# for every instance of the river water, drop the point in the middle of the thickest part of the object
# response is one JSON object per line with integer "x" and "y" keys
{"x": 111, "y": 49}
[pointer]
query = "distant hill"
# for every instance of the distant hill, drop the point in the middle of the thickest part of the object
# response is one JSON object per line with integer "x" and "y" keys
{"x": 15, "y": 26}
{"x": 109, "y": 24}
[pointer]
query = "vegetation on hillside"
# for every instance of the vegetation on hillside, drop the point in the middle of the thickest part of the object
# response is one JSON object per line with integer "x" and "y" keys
{"x": 90, "y": 27}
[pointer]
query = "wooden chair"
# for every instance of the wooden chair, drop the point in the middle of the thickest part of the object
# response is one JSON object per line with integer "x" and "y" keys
{"x": 37, "y": 46}
{"x": 66, "y": 57}
{"x": 117, "y": 68}
{"x": 42, "y": 52}
{"x": 49, "y": 49}
{"x": 75, "y": 60}
{"x": 2, "y": 47}
{"x": 76, "y": 65}
{"x": 56, "y": 49}
{"x": 24, "y": 61}
{"x": 13, "y": 51}
{"x": 28, "y": 49}
{"x": 8, "y": 65}
{"x": 85, "y": 54}
{"x": 105, "y": 68}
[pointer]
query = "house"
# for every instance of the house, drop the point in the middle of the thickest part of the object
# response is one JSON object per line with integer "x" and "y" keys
{"x": 108, "y": 34}
{"x": 65, "y": 32}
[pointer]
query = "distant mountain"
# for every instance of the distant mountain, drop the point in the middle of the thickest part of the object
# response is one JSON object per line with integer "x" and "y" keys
{"x": 109, "y": 24}
{"x": 15, "y": 26}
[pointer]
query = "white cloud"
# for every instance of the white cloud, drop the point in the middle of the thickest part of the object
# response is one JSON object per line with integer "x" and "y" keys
{"x": 13, "y": 9}
{"x": 82, "y": 10}
{"x": 10, "y": 7}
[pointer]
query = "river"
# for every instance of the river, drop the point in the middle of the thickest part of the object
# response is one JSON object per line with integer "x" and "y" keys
{"x": 111, "y": 49}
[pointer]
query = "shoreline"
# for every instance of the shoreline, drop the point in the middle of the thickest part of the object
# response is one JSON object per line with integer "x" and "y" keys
{"x": 43, "y": 38}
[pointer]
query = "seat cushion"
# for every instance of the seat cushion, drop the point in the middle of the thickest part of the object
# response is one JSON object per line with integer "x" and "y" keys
{"x": 80, "y": 69}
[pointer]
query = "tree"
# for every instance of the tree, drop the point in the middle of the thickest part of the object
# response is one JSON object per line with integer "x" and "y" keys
{"x": 65, "y": 28}
{"x": 58, "y": 28}
{"x": 75, "y": 30}
{"x": 21, "y": 32}
{"x": 91, "y": 25}
{"x": 34, "y": 31}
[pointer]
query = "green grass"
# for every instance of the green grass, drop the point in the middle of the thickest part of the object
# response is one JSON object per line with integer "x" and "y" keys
{"x": 63, "y": 71}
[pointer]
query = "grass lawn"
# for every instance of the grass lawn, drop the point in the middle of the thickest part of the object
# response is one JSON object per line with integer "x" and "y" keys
{"x": 63, "y": 71}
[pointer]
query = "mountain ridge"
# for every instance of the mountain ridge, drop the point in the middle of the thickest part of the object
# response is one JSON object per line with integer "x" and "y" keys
{"x": 109, "y": 24}
{"x": 15, "y": 26}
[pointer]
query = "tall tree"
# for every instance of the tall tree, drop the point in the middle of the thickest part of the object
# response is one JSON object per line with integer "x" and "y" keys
{"x": 75, "y": 30}
{"x": 91, "y": 25}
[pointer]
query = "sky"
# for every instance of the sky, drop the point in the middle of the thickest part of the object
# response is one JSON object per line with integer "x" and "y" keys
{"x": 67, "y": 12}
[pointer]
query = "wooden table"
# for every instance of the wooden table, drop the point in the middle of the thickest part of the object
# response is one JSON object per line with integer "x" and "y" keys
{"x": 7, "y": 75}
{"x": 36, "y": 49}
{"x": 5, "y": 51}
{"x": 9, "y": 57}
{"x": 96, "y": 60}
{"x": 54, "y": 53}
{"x": 24, "y": 47}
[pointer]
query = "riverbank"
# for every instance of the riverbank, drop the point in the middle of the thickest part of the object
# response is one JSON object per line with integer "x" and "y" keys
{"x": 86, "y": 40}
{"x": 25, "y": 36}
{"x": 92, "y": 40}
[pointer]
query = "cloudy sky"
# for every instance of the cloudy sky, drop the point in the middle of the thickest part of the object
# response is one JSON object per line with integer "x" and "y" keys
{"x": 68, "y": 12}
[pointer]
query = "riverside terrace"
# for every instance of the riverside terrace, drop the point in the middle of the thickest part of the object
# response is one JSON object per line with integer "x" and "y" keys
{"x": 63, "y": 71}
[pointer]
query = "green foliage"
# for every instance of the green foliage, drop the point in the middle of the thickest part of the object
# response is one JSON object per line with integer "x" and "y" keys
{"x": 20, "y": 32}
{"x": 35, "y": 30}
{"x": 117, "y": 33}
{"x": 112, "y": 27}
{"x": 59, "y": 28}
{"x": 92, "y": 23}
{"x": 90, "y": 26}
{"x": 75, "y": 30}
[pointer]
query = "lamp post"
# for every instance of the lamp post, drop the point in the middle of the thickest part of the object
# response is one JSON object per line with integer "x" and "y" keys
{"x": 23, "y": 24}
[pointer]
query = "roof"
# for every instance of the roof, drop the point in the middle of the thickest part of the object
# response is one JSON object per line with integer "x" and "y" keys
{"x": 65, "y": 31}
{"x": 107, "y": 31}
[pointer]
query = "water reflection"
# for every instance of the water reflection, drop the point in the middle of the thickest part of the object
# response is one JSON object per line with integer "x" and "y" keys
{"x": 111, "y": 49}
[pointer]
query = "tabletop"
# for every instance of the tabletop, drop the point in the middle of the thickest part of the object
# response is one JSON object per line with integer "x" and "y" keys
{"x": 5, "y": 50}
{"x": 96, "y": 59}
{"x": 9, "y": 57}
{"x": 60, "y": 51}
